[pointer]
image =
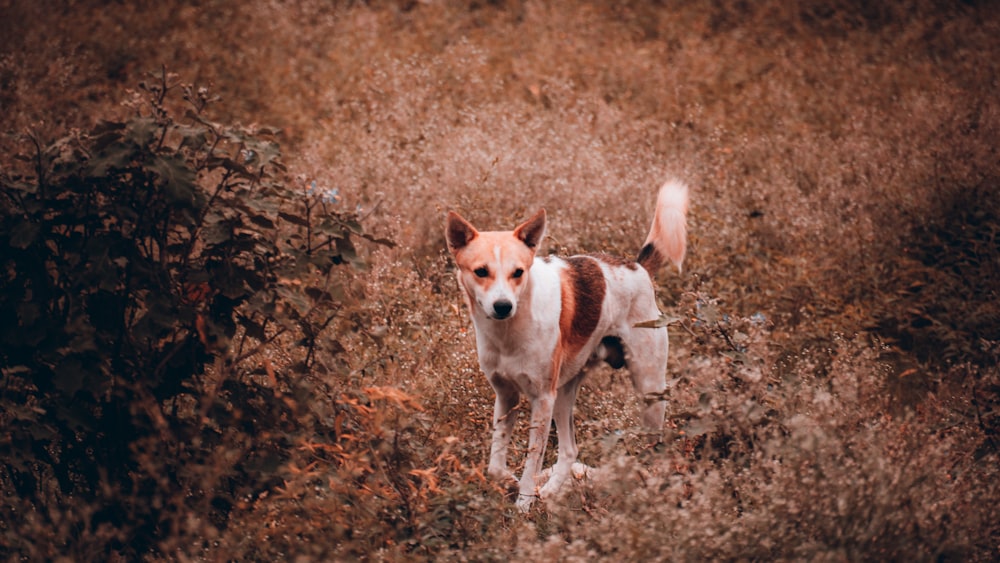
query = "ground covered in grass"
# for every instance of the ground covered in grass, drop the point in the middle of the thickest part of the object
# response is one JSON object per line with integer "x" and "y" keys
{"x": 834, "y": 388}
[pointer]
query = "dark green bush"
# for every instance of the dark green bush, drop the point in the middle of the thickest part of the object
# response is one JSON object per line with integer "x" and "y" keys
{"x": 150, "y": 268}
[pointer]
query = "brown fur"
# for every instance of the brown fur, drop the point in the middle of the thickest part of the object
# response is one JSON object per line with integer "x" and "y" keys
{"x": 650, "y": 258}
{"x": 582, "y": 296}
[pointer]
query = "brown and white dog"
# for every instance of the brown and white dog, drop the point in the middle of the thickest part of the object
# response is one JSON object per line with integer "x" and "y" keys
{"x": 540, "y": 322}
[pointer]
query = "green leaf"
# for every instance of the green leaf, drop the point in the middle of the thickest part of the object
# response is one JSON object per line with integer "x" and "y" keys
{"x": 21, "y": 186}
{"x": 81, "y": 333}
{"x": 23, "y": 234}
{"x": 323, "y": 259}
{"x": 261, "y": 152}
{"x": 178, "y": 179}
{"x": 332, "y": 227}
{"x": 318, "y": 295}
{"x": 263, "y": 204}
{"x": 142, "y": 130}
{"x": 27, "y": 314}
{"x": 104, "y": 134}
{"x": 294, "y": 219}
{"x": 217, "y": 233}
{"x": 254, "y": 329}
{"x": 115, "y": 156}
{"x": 354, "y": 226}
{"x": 392, "y": 244}
{"x": 68, "y": 376}
{"x": 104, "y": 126}
{"x": 193, "y": 136}
{"x": 160, "y": 319}
{"x": 233, "y": 166}
{"x": 292, "y": 297}
{"x": 268, "y": 130}
{"x": 348, "y": 253}
{"x": 262, "y": 221}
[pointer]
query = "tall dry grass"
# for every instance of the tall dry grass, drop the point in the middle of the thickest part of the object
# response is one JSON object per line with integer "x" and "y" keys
{"x": 833, "y": 380}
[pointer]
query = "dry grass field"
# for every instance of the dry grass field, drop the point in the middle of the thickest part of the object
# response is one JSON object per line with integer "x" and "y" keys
{"x": 834, "y": 391}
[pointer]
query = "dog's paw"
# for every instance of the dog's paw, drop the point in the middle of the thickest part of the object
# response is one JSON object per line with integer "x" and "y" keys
{"x": 556, "y": 477}
{"x": 582, "y": 471}
{"x": 524, "y": 503}
{"x": 550, "y": 488}
{"x": 556, "y": 481}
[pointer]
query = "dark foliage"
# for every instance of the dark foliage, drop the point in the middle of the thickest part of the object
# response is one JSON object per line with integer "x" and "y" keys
{"x": 945, "y": 309}
{"x": 143, "y": 270}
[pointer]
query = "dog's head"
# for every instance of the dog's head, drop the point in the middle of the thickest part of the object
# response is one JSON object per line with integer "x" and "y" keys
{"x": 493, "y": 266}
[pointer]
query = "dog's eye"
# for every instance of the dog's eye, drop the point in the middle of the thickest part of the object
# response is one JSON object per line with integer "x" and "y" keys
{"x": 481, "y": 272}
{"x": 518, "y": 273}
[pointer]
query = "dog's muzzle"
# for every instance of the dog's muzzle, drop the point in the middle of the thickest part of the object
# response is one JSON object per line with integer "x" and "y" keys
{"x": 502, "y": 309}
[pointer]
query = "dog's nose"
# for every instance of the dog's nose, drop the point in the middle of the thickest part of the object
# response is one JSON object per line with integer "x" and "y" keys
{"x": 502, "y": 309}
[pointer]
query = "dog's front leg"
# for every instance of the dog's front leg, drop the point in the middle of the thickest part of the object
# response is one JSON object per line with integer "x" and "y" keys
{"x": 563, "y": 414}
{"x": 504, "y": 416}
{"x": 538, "y": 437}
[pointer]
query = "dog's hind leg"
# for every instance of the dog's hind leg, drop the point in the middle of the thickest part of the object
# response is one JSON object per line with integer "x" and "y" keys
{"x": 646, "y": 357}
{"x": 563, "y": 415}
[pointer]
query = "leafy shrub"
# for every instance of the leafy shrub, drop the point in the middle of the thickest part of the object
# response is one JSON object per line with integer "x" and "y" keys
{"x": 149, "y": 267}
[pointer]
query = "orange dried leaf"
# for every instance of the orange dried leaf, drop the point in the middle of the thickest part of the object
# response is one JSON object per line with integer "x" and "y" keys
{"x": 393, "y": 395}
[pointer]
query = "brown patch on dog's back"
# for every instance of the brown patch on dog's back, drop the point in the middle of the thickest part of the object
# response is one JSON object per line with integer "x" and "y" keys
{"x": 612, "y": 260}
{"x": 582, "y": 298}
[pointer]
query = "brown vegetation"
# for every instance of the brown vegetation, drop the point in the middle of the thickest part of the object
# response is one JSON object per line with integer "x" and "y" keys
{"x": 834, "y": 388}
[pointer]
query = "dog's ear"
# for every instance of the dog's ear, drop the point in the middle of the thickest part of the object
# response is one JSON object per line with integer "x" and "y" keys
{"x": 459, "y": 232}
{"x": 531, "y": 231}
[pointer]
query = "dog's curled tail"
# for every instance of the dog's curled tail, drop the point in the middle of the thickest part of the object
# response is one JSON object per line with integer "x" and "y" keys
{"x": 668, "y": 236}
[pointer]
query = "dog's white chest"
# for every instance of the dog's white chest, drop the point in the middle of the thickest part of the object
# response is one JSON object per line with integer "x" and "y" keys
{"x": 516, "y": 359}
